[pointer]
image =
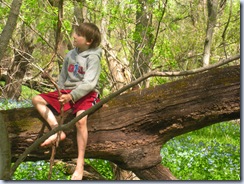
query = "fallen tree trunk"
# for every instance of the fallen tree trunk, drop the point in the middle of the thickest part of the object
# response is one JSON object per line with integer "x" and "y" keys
{"x": 132, "y": 128}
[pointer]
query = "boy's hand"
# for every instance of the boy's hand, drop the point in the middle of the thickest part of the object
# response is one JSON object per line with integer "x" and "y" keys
{"x": 65, "y": 98}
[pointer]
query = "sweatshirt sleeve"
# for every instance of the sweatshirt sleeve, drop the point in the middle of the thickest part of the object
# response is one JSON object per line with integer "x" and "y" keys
{"x": 90, "y": 80}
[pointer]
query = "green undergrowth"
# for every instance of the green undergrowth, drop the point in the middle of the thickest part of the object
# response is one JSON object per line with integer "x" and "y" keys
{"x": 13, "y": 104}
{"x": 39, "y": 171}
{"x": 212, "y": 153}
{"x": 102, "y": 166}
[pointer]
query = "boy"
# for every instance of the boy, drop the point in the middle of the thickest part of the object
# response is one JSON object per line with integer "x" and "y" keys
{"x": 78, "y": 82}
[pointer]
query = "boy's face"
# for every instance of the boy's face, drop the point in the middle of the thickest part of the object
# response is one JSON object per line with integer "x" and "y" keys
{"x": 81, "y": 42}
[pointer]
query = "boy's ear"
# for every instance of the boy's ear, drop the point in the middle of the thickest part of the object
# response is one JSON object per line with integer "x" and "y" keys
{"x": 89, "y": 43}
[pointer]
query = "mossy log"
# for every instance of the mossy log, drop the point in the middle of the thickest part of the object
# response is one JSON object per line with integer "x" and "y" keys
{"x": 131, "y": 129}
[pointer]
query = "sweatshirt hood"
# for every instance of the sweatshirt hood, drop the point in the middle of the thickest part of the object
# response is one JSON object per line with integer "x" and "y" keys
{"x": 94, "y": 51}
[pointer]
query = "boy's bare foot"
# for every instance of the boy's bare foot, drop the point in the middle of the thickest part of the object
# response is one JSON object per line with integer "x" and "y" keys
{"x": 51, "y": 140}
{"x": 78, "y": 174}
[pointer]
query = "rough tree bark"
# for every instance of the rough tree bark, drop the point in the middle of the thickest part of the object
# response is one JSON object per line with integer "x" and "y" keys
{"x": 132, "y": 128}
{"x": 17, "y": 71}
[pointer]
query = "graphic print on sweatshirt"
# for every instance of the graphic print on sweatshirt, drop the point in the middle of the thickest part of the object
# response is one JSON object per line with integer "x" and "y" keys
{"x": 78, "y": 67}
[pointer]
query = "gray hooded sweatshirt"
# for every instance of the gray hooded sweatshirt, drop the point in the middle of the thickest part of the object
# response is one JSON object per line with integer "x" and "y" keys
{"x": 80, "y": 72}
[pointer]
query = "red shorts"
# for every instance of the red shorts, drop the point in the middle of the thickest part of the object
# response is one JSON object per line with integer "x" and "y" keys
{"x": 84, "y": 103}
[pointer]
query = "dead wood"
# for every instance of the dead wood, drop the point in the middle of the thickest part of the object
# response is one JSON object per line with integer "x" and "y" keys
{"x": 132, "y": 128}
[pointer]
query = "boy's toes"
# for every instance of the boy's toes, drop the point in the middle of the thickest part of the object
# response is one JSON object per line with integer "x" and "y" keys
{"x": 77, "y": 175}
{"x": 52, "y": 139}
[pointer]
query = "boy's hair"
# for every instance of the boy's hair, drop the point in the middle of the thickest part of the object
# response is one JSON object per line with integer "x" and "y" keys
{"x": 91, "y": 32}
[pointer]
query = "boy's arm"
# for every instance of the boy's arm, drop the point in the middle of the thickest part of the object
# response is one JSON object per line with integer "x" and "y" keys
{"x": 90, "y": 80}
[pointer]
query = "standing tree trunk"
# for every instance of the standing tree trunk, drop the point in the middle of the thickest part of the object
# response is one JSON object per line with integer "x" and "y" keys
{"x": 144, "y": 40}
{"x": 211, "y": 22}
{"x": 10, "y": 26}
{"x": 80, "y": 11}
{"x": 16, "y": 73}
{"x": 120, "y": 75}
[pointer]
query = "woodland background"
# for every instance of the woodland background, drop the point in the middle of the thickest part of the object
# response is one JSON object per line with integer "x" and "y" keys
{"x": 138, "y": 36}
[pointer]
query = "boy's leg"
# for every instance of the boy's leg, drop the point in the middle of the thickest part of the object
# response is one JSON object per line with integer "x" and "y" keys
{"x": 82, "y": 136}
{"x": 41, "y": 105}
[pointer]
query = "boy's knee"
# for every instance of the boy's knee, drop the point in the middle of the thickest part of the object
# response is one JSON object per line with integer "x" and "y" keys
{"x": 36, "y": 99}
{"x": 81, "y": 123}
